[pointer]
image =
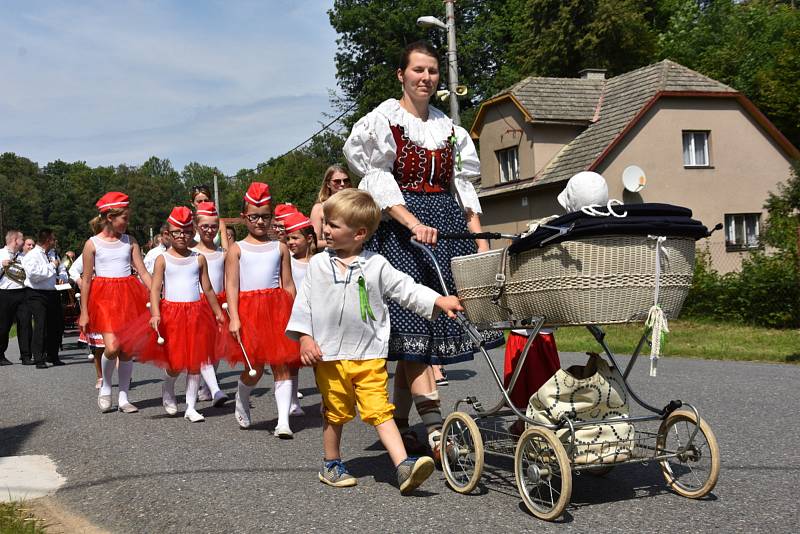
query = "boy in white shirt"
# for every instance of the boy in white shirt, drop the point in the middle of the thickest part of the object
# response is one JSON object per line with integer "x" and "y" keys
{"x": 342, "y": 323}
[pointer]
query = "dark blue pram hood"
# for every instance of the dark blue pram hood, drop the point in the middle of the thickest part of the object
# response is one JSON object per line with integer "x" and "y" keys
{"x": 642, "y": 219}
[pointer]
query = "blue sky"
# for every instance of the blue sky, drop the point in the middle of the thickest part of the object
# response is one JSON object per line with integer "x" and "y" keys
{"x": 224, "y": 83}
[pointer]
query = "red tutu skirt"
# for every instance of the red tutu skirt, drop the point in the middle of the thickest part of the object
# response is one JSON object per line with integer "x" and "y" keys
{"x": 191, "y": 335}
{"x": 115, "y": 302}
{"x": 264, "y": 314}
{"x": 542, "y": 363}
{"x": 92, "y": 340}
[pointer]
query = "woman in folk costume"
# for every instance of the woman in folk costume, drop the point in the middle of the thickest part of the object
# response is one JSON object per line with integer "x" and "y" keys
{"x": 260, "y": 291}
{"x": 417, "y": 165}
{"x": 111, "y": 296}
{"x": 207, "y": 221}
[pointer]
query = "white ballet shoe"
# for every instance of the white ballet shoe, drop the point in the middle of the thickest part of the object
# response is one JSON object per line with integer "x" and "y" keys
{"x": 204, "y": 394}
{"x": 284, "y": 432}
{"x": 193, "y": 416}
{"x": 170, "y": 405}
{"x": 242, "y": 413}
{"x": 104, "y": 403}
{"x": 128, "y": 408}
{"x": 220, "y": 398}
{"x": 296, "y": 411}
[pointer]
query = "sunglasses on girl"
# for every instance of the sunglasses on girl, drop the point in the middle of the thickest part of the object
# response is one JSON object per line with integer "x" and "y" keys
{"x": 340, "y": 181}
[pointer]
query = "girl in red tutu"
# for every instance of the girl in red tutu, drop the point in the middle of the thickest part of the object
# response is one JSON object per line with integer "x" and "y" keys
{"x": 207, "y": 224}
{"x": 260, "y": 291}
{"x": 111, "y": 296}
{"x": 180, "y": 333}
{"x": 302, "y": 243}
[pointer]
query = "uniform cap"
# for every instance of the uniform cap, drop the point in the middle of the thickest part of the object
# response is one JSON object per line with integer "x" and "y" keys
{"x": 284, "y": 210}
{"x": 112, "y": 200}
{"x": 296, "y": 221}
{"x": 181, "y": 216}
{"x": 257, "y": 194}
{"x": 207, "y": 208}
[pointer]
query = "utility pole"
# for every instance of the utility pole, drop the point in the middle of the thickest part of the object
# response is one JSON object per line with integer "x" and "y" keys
{"x": 452, "y": 60}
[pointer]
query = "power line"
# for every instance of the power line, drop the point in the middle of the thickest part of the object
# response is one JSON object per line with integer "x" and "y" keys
{"x": 325, "y": 127}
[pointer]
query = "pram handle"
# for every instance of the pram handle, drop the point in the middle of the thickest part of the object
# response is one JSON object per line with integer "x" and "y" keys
{"x": 479, "y": 235}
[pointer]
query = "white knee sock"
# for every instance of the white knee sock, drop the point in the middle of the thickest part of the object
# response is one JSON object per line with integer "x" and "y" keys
{"x": 169, "y": 388}
{"x": 210, "y": 377}
{"x": 283, "y": 398}
{"x": 244, "y": 392}
{"x": 295, "y": 400}
{"x": 192, "y": 385}
{"x": 125, "y": 373}
{"x": 108, "y": 367}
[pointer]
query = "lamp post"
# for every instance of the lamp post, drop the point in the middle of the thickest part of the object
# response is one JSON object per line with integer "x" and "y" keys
{"x": 452, "y": 60}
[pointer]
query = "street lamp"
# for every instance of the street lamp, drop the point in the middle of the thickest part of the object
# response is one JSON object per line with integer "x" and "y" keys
{"x": 452, "y": 61}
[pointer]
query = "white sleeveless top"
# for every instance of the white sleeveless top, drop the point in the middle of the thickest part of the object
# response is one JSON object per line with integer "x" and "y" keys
{"x": 112, "y": 259}
{"x": 259, "y": 266}
{"x": 182, "y": 278}
{"x": 216, "y": 268}
{"x": 299, "y": 269}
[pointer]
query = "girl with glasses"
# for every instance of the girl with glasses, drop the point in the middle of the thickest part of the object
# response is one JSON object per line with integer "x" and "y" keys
{"x": 180, "y": 333}
{"x": 336, "y": 179}
{"x": 260, "y": 291}
{"x": 202, "y": 193}
{"x": 206, "y": 220}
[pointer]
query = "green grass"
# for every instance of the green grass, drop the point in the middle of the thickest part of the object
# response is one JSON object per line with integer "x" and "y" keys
{"x": 16, "y": 519}
{"x": 695, "y": 339}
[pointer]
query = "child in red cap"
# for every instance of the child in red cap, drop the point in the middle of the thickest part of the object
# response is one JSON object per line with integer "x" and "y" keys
{"x": 207, "y": 223}
{"x": 282, "y": 211}
{"x": 111, "y": 296}
{"x": 180, "y": 333}
{"x": 260, "y": 290}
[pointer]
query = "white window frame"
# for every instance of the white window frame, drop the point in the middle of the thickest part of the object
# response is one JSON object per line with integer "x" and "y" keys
{"x": 689, "y": 156}
{"x": 737, "y": 236}
{"x": 508, "y": 162}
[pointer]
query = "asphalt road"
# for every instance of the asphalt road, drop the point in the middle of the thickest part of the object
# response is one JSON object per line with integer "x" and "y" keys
{"x": 147, "y": 472}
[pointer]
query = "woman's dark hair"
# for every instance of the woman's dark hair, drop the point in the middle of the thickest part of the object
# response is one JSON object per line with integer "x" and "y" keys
{"x": 202, "y": 188}
{"x": 423, "y": 47}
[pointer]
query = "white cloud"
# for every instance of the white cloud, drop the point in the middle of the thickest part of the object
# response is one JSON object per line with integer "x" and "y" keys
{"x": 114, "y": 82}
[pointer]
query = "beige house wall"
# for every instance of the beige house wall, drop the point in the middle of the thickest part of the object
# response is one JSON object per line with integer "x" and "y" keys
{"x": 504, "y": 126}
{"x": 746, "y": 164}
{"x": 509, "y": 213}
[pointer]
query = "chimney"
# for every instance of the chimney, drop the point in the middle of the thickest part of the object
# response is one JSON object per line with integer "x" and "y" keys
{"x": 592, "y": 74}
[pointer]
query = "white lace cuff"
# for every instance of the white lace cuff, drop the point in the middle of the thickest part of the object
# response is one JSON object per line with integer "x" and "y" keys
{"x": 383, "y": 188}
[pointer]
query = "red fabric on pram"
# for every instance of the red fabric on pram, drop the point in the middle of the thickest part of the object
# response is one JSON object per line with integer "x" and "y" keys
{"x": 542, "y": 363}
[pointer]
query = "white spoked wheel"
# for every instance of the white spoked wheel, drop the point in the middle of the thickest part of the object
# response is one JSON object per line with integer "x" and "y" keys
{"x": 543, "y": 473}
{"x": 462, "y": 453}
{"x": 694, "y": 470}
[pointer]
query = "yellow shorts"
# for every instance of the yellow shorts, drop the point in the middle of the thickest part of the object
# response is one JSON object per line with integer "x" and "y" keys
{"x": 347, "y": 383}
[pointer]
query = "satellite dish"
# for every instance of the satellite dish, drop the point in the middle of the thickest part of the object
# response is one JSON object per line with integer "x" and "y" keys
{"x": 634, "y": 179}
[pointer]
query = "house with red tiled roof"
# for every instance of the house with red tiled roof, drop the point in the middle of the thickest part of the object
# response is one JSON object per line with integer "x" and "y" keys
{"x": 701, "y": 143}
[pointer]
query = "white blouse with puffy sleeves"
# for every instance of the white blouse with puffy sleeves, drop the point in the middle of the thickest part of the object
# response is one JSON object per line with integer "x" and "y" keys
{"x": 371, "y": 150}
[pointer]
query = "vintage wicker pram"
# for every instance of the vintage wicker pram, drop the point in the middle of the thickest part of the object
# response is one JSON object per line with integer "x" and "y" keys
{"x": 568, "y": 278}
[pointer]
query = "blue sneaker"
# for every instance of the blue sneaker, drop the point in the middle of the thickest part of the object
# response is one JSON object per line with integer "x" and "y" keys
{"x": 335, "y": 474}
{"x": 412, "y": 472}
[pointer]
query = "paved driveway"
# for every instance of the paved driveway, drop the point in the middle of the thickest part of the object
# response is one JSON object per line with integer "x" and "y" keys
{"x": 150, "y": 473}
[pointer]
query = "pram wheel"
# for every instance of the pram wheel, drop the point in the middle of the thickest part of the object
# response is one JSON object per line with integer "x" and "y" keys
{"x": 462, "y": 456}
{"x": 694, "y": 469}
{"x": 543, "y": 473}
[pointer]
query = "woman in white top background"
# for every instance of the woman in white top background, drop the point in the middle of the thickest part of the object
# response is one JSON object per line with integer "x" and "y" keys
{"x": 334, "y": 180}
{"x": 417, "y": 165}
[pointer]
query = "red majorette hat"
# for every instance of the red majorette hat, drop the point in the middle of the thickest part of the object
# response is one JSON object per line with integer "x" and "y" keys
{"x": 181, "y": 216}
{"x": 208, "y": 209}
{"x": 257, "y": 194}
{"x": 295, "y": 221}
{"x": 284, "y": 210}
{"x": 112, "y": 200}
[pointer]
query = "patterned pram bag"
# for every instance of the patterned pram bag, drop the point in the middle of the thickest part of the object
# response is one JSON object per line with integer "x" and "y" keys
{"x": 587, "y": 393}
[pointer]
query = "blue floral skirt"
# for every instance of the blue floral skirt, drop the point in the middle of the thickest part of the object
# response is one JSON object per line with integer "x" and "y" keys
{"x": 414, "y": 338}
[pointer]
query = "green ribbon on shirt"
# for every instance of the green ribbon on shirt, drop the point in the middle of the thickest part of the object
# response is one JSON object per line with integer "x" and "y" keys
{"x": 454, "y": 140}
{"x": 364, "y": 300}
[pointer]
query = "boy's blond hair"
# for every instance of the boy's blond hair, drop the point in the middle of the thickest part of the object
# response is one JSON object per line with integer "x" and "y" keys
{"x": 355, "y": 207}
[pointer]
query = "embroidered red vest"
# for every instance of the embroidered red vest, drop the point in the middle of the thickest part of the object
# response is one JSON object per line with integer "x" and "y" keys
{"x": 418, "y": 169}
